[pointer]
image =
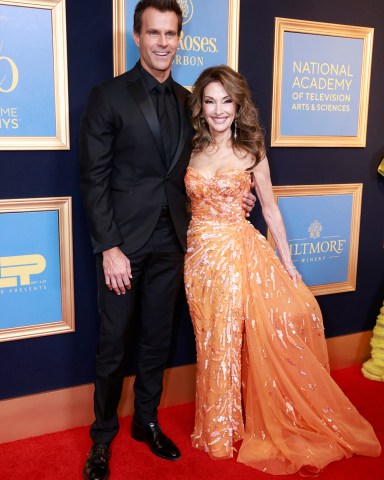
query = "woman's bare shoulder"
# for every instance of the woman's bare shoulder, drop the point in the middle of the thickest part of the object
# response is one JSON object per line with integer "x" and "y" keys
{"x": 198, "y": 157}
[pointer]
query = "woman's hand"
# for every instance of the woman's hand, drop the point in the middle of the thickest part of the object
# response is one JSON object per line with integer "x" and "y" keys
{"x": 294, "y": 274}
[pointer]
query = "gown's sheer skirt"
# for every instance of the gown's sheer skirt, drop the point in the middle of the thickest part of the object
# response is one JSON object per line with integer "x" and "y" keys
{"x": 261, "y": 351}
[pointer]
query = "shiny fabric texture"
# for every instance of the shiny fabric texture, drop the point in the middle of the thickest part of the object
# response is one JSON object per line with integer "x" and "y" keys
{"x": 262, "y": 362}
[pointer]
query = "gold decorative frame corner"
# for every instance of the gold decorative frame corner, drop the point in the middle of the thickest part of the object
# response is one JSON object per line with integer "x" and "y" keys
{"x": 119, "y": 33}
{"x": 233, "y": 34}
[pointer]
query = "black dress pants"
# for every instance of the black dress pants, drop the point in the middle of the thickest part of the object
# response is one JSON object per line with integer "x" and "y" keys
{"x": 157, "y": 270}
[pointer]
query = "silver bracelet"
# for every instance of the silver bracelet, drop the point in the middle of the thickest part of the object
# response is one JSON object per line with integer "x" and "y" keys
{"x": 290, "y": 268}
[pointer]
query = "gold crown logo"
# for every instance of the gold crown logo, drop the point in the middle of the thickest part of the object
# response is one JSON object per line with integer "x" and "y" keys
{"x": 315, "y": 229}
{"x": 187, "y": 9}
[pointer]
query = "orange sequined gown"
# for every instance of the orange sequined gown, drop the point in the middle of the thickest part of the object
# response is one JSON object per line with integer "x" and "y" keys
{"x": 261, "y": 354}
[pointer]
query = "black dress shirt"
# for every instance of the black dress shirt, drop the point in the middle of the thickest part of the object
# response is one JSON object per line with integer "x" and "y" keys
{"x": 171, "y": 107}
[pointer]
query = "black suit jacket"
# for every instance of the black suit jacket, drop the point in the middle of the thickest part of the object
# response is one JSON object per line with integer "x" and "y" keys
{"x": 123, "y": 172}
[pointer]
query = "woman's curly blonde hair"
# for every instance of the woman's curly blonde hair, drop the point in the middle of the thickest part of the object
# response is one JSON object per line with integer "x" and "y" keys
{"x": 250, "y": 135}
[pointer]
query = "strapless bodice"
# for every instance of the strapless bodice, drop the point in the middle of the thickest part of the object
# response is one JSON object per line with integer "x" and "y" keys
{"x": 219, "y": 198}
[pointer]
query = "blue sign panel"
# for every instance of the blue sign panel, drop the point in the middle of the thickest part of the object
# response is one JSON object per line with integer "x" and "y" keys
{"x": 27, "y": 96}
{"x": 321, "y": 83}
{"x": 30, "y": 288}
{"x": 318, "y": 230}
{"x": 203, "y": 41}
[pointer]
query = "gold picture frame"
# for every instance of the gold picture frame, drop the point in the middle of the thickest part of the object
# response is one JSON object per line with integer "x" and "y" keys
{"x": 59, "y": 140}
{"x": 285, "y": 130}
{"x": 20, "y": 275}
{"x": 119, "y": 36}
{"x": 319, "y": 240}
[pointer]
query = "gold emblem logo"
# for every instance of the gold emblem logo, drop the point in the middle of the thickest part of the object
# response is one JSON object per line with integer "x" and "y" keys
{"x": 315, "y": 229}
{"x": 187, "y": 9}
{"x": 20, "y": 267}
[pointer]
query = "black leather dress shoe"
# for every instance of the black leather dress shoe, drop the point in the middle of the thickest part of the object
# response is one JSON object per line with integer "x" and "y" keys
{"x": 96, "y": 467}
{"x": 158, "y": 443}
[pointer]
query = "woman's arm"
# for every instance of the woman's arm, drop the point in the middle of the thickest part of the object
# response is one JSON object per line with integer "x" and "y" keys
{"x": 272, "y": 215}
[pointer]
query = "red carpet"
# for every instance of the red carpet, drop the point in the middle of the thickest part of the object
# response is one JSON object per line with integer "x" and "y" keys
{"x": 60, "y": 456}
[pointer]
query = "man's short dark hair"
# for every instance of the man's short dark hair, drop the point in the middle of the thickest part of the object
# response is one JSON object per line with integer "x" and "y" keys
{"x": 162, "y": 6}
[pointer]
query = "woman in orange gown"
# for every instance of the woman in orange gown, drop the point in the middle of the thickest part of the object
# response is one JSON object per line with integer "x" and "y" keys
{"x": 262, "y": 362}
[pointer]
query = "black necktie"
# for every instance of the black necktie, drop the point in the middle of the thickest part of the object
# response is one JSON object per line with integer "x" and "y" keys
{"x": 165, "y": 124}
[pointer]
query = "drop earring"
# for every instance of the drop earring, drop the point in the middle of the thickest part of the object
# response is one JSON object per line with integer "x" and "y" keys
{"x": 202, "y": 119}
{"x": 235, "y": 130}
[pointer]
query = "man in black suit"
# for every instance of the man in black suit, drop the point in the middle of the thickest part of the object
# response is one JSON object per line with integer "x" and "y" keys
{"x": 135, "y": 147}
